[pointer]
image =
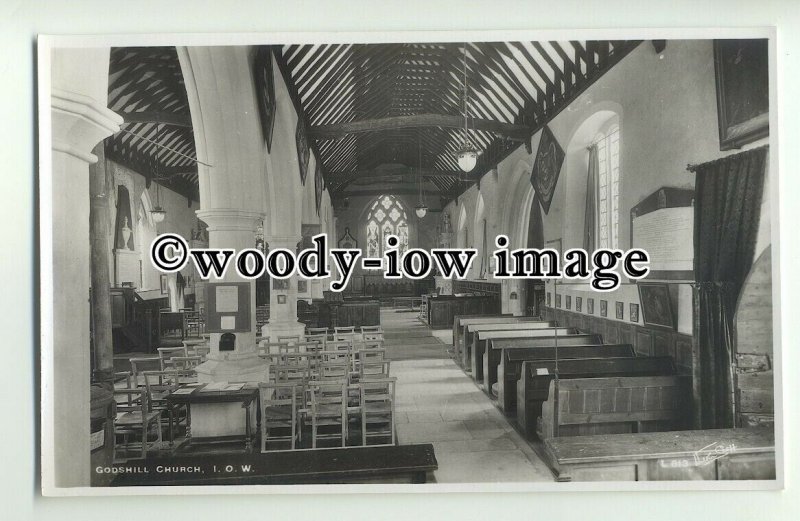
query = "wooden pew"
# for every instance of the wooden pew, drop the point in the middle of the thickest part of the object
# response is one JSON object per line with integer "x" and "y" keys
{"x": 459, "y": 321}
{"x": 512, "y": 358}
{"x": 543, "y": 337}
{"x": 714, "y": 454}
{"x": 615, "y": 405}
{"x": 534, "y": 380}
{"x": 491, "y": 357}
{"x": 469, "y": 329}
{"x": 441, "y": 309}
{"x": 468, "y": 336}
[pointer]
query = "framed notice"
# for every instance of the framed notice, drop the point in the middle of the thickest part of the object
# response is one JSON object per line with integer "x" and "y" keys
{"x": 662, "y": 224}
{"x": 228, "y": 307}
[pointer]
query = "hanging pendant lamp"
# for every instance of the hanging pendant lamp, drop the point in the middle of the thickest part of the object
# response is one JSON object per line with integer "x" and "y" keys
{"x": 157, "y": 212}
{"x": 421, "y": 209}
{"x": 467, "y": 154}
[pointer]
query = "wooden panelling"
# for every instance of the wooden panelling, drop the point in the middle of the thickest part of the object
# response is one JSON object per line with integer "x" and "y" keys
{"x": 646, "y": 341}
{"x": 754, "y": 378}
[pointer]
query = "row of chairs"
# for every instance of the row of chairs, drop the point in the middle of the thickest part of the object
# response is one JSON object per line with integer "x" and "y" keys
{"x": 328, "y": 406}
{"x": 327, "y": 386}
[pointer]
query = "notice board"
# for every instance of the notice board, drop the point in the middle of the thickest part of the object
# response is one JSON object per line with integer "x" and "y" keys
{"x": 227, "y": 307}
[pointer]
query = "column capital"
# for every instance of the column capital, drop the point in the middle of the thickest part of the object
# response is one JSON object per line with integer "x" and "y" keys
{"x": 79, "y": 122}
{"x": 285, "y": 241}
{"x": 230, "y": 219}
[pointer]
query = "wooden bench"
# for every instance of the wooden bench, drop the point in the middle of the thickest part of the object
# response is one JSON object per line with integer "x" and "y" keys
{"x": 460, "y": 321}
{"x": 512, "y": 358}
{"x": 534, "y": 381}
{"x": 376, "y": 464}
{"x": 468, "y": 334}
{"x": 620, "y": 404}
{"x": 491, "y": 356}
{"x": 566, "y": 336}
{"x": 715, "y": 454}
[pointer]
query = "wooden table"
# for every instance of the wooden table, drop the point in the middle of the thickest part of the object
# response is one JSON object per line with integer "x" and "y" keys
{"x": 377, "y": 464}
{"x": 246, "y": 396}
{"x": 714, "y": 454}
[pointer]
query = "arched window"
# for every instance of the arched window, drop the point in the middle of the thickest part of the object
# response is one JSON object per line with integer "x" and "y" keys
{"x": 387, "y": 216}
{"x": 608, "y": 180}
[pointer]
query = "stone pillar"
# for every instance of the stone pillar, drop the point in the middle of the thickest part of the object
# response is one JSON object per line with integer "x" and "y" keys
{"x": 80, "y": 120}
{"x": 229, "y": 228}
{"x": 283, "y": 302}
{"x": 232, "y": 228}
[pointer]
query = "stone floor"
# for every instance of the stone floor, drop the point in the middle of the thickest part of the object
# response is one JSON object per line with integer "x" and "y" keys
{"x": 437, "y": 403}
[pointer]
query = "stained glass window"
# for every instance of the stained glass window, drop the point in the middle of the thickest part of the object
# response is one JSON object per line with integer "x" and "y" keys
{"x": 386, "y": 216}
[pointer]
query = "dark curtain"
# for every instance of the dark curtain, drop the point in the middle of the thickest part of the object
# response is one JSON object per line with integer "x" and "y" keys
{"x": 726, "y": 215}
{"x": 590, "y": 215}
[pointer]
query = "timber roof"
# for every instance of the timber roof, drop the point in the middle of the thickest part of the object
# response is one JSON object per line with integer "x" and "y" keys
{"x": 373, "y": 112}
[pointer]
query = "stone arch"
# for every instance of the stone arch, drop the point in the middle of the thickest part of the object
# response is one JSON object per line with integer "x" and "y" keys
{"x": 231, "y": 152}
{"x": 516, "y": 214}
{"x": 576, "y": 163}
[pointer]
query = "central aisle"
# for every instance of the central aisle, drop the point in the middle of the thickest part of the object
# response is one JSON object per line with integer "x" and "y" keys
{"x": 437, "y": 403}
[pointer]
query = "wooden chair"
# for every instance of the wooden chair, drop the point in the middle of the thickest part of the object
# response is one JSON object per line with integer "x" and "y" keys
{"x": 328, "y": 411}
{"x": 165, "y": 353}
{"x": 372, "y": 369}
{"x": 279, "y": 407}
{"x": 183, "y": 363}
{"x": 371, "y": 329}
{"x": 269, "y": 348}
{"x": 141, "y": 364}
{"x": 378, "y": 410}
{"x": 305, "y": 346}
{"x": 291, "y": 339}
{"x": 134, "y": 417}
{"x": 320, "y": 338}
{"x": 334, "y": 365}
{"x": 372, "y": 333}
{"x": 317, "y": 331}
{"x": 373, "y": 344}
{"x": 159, "y": 385}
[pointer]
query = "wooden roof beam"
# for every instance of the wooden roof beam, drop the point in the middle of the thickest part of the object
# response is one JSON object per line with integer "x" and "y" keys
{"x": 167, "y": 118}
{"x": 514, "y": 132}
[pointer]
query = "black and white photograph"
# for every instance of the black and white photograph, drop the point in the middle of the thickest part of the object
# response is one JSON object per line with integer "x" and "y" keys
{"x": 178, "y": 375}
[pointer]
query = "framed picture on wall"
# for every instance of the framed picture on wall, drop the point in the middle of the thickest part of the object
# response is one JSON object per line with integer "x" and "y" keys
{"x": 280, "y": 284}
{"x": 620, "y": 310}
{"x": 634, "y": 313}
{"x": 578, "y": 304}
{"x": 302, "y": 286}
{"x": 569, "y": 301}
{"x": 656, "y": 306}
{"x": 603, "y": 308}
{"x": 548, "y": 299}
{"x": 590, "y": 306}
{"x": 558, "y": 300}
{"x": 742, "y": 75}
{"x": 164, "y": 285}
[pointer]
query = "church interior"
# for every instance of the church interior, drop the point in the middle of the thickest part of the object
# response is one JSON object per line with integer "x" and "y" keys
{"x": 661, "y": 145}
